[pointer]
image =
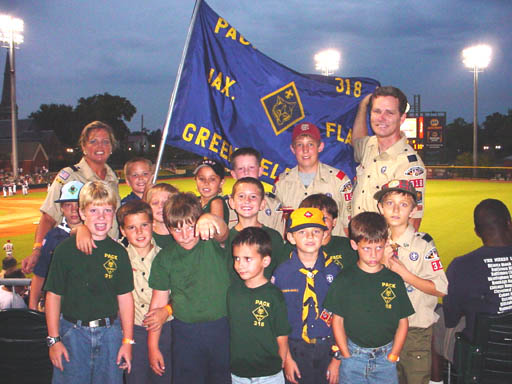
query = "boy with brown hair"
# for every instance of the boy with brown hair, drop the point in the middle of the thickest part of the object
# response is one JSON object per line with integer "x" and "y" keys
{"x": 413, "y": 255}
{"x": 304, "y": 280}
{"x": 195, "y": 272}
{"x": 247, "y": 199}
{"x": 370, "y": 307}
{"x": 135, "y": 220}
{"x": 312, "y": 176}
{"x": 257, "y": 313}
{"x": 89, "y": 291}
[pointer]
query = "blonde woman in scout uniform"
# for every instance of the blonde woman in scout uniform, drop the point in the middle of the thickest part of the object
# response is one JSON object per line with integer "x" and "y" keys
{"x": 97, "y": 142}
{"x": 386, "y": 155}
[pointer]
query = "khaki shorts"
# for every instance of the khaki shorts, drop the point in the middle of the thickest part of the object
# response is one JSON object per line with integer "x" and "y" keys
{"x": 444, "y": 338}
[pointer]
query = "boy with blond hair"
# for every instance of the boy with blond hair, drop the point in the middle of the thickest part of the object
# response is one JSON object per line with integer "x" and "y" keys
{"x": 194, "y": 270}
{"x": 89, "y": 291}
{"x": 247, "y": 199}
{"x": 370, "y": 308}
{"x": 413, "y": 255}
{"x": 304, "y": 280}
{"x": 137, "y": 173}
{"x": 257, "y": 313}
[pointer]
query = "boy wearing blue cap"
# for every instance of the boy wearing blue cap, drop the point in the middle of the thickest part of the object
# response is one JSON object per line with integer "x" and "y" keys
{"x": 304, "y": 280}
{"x": 70, "y": 219}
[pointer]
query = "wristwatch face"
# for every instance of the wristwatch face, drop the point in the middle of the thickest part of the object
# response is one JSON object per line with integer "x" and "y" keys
{"x": 52, "y": 340}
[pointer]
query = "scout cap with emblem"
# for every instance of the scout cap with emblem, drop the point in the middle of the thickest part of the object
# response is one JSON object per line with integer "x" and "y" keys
{"x": 70, "y": 192}
{"x": 217, "y": 167}
{"x": 308, "y": 129}
{"x": 404, "y": 186}
{"x": 306, "y": 218}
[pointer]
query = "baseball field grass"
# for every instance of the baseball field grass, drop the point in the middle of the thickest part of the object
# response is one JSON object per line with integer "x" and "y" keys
{"x": 448, "y": 213}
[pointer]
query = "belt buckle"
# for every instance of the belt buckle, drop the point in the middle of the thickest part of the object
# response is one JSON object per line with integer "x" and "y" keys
{"x": 94, "y": 323}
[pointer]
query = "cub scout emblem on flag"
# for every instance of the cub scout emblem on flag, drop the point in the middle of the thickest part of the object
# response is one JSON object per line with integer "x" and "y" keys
{"x": 283, "y": 108}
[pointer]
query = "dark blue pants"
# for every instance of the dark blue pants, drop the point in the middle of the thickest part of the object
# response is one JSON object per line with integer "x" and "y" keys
{"x": 312, "y": 359}
{"x": 141, "y": 372}
{"x": 200, "y": 352}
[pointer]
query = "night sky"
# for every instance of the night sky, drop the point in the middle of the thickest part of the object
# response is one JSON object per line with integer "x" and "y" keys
{"x": 131, "y": 48}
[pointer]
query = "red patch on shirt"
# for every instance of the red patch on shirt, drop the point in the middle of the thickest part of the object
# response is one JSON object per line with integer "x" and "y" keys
{"x": 327, "y": 317}
{"x": 340, "y": 175}
{"x": 418, "y": 183}
{"x": 348, "y": 196}
{"x": 436, "y": 265}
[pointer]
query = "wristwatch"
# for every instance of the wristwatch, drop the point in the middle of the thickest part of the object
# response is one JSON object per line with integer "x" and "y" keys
{"x": 335, "y": 352}
{"x": 50, "y": 341}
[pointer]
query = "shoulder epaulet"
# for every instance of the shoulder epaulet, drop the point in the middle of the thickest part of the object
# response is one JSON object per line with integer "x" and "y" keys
{"x": 427, "y": 237}
{"x": 75, "y": 167}
{"x": 340, "y": 175}
{"x": 271, "y": 195}
{"x": 412, "y": 158}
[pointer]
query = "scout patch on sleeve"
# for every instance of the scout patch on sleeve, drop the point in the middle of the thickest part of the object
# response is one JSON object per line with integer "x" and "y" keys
{"x": 436, "y": 265}
{"x": 414, "y": 171}
{"x": 326, "y": 316}
{"x": 63, "y": 176}
{"x": 432, "y": 254}
{"x": 418, "y": 183}
{"x": 412, "y": 158}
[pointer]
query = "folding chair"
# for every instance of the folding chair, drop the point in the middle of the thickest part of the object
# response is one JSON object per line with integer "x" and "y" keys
{"x": 488, "y": 358}
{"x": 23, "y": 351}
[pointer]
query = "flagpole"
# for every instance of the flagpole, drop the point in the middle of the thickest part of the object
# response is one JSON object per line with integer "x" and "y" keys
{"x": 175, "y": 90}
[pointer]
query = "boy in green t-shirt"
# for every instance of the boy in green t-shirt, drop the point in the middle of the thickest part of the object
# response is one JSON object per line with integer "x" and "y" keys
{"x": 370, "y": 307}
{"x": 413, "y": 255}
{"x": 195, "y": 272}
{"x": 248, "y": 199}
{"x": 89, "y": 290}
{"x": 257, "y": 313}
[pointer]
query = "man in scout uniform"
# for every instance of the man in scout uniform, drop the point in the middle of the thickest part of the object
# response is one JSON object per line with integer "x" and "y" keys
{"x": 385, "y": 156}
{"x": 312, "y": 176}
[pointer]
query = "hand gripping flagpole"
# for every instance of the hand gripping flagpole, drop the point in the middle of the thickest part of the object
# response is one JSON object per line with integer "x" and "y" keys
{"x": 175, "y": 90}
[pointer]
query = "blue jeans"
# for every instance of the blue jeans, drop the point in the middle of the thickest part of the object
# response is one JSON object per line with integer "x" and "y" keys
{"x": 368, "y": 366}
{"x": 92, "y": 354}
{"x": 278, "y": 378}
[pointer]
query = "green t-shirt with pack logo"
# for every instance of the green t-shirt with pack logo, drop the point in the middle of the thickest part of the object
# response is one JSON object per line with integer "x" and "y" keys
{"x": 371, "y": 304}
{"x": 257, "y": 316}
{"x": 89, "y": 284}
{"x": 198, "y": 280}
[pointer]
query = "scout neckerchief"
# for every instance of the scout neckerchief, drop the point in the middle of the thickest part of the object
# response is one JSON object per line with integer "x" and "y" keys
{"x": 310, "y": 297}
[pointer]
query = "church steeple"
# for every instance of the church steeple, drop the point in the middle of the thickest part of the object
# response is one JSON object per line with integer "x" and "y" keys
{"x": 5, "y": 105}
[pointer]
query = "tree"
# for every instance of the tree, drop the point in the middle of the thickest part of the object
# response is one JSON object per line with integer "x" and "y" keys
{"x": 498, "y": 132}
{"x": 112, "y": 110}
{"x": 459, "y": 138}
{"x": 59, "y": 118}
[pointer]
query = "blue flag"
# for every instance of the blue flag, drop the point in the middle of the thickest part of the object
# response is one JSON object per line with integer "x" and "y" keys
{"x": 231, "y": 96}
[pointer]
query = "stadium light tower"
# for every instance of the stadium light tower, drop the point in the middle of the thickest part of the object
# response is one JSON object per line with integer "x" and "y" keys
{"x": 11, "y": 34}
{"x": 327, "y": 61}
{"x": 476, "y": 58}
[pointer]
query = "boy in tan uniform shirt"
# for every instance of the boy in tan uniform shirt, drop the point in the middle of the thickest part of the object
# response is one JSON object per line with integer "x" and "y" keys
{"x": 311, "y": 176}
{"x": 413, "y": 255}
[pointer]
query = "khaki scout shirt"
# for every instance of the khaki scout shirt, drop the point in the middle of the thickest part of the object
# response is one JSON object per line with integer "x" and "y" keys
{"x": 399, "y": 161}
{"x": 83, "y": 173}
{"x": 271, "y": 216}
{"x": 418, "y": 253}
{"x": 328, "y": 180}
{"x": 141, "y": 267}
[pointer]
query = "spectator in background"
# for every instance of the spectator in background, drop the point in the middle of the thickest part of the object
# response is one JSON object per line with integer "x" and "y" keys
{"x": 9, "y": 265}
{"x": 10, "y": 299}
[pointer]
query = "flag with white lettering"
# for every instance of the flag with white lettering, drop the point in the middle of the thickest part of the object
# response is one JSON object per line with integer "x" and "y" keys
{"x": 231, "y": 96}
